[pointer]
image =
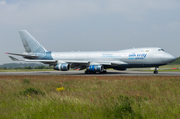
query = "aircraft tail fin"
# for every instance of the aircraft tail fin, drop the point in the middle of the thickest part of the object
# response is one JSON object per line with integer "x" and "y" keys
{"x": 30, "y": 43}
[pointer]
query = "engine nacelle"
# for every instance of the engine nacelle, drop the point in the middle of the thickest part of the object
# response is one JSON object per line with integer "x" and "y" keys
{"x": 121, "y": 69}
{"x": 96, "y": 68}
{"x": 62, "y": 67}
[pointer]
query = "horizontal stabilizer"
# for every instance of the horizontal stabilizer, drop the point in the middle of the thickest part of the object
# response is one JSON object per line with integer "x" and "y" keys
{"x": 14, "y": 59}
{"x": 23, "y": 55}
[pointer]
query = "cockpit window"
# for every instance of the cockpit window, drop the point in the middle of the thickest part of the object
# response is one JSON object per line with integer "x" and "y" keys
{"x": 160, "y": 49}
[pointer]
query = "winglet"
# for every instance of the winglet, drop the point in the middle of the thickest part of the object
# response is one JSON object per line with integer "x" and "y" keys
{"x": 13, "y": 58}
{"x": 6, "y": 53}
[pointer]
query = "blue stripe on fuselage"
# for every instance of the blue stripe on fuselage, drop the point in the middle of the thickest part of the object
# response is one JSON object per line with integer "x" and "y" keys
{"x": 48, "y": 56}
{"x": 45, "y": 56}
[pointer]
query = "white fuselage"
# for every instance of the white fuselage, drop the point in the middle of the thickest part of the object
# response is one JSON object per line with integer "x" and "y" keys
{"x": 137, "y": 57}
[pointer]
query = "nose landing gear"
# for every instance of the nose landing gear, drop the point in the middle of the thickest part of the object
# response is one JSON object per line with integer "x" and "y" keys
{"x": 156, "y": 71}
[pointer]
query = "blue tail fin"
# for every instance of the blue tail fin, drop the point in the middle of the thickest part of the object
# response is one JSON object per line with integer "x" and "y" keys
{"x": 31, "y": 45}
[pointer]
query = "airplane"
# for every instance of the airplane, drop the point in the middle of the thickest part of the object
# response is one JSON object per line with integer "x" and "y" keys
{"x": 93, "y": 62}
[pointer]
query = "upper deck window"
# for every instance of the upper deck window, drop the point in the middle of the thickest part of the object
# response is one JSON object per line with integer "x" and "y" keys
{"x": 160, "y": 49}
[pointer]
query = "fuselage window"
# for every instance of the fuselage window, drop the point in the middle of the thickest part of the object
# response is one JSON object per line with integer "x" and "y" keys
{"x": 160, "y": 49}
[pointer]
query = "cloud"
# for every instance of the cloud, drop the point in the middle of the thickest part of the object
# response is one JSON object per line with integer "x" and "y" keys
{"x": 48, "y": 11}
{"x": 82, "y": 22}
{"x": 2, "y": 2}
{"x": 32, "y": 11}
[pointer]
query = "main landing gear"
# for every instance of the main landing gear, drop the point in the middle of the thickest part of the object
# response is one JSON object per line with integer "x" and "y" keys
{"x": 92, "y": 72}
{"x": 104, "y": 72}
{"x": 156, "y": 71}
{"x": 89, "y": 72}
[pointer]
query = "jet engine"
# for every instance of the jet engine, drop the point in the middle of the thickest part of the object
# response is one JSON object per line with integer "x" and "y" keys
{"x": 96, "y": 68}
{"x": 62, "y": 67}
{"x": 121, "y": 69}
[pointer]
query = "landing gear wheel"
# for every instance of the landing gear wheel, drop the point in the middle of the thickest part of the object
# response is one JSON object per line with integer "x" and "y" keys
{"x": 104, "y": 71}
{"x": 155, "y": 72}
{"x": 86, "y": 72}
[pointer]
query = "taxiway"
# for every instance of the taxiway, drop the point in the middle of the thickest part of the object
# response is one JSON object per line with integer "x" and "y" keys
{"x": 109, "y": 73}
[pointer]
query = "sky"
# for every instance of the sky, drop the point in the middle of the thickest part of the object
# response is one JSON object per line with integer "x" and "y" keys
{"x": 90, "y": 25}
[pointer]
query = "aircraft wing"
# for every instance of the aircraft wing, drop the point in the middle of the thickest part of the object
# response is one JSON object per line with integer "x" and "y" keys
{"x": 47, "y": 61}
{"x": 84, "y": 64}
{"x": 75, "y": 64}
{"x": 43, "y": 61}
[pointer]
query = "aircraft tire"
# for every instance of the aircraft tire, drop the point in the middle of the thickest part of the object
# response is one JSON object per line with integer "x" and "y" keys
{"x": 104, "y": 72}
{"x": 86, "y": 72}
{"x": 155, "y": 72}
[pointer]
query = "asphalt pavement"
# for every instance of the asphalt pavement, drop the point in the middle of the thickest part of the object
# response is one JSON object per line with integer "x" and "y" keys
{"x": 81, "y": 73}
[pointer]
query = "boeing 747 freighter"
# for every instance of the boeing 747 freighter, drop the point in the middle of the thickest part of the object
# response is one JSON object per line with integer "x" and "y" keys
{"x": 93, "y": 62}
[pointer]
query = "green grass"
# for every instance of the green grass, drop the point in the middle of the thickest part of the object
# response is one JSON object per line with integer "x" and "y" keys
{"x": 170, "y": 66}
{"x": 98, "y": 97}
{"x": 166, "y": 70}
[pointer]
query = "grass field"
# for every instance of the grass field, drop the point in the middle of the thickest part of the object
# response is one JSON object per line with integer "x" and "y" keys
{"x": 166, "y": 70}
{"x": 170, "y": 66}
{"x": 98, "y": 97}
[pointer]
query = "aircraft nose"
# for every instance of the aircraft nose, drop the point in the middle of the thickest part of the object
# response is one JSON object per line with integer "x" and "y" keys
{"x": 168, "y": 58}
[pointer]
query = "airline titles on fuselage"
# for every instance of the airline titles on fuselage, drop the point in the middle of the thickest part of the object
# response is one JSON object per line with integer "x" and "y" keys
{"x": 129, "y": 56}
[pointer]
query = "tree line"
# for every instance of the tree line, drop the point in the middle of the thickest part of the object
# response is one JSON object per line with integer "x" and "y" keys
{"x": 177, "y": 61}
{"x": 24, "y": 66}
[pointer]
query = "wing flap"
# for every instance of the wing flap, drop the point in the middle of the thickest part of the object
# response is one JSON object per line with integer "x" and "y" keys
{"x": 117, "y": 63}
{"x": 78, "y": 62}
{"x": 113, "y": 63}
